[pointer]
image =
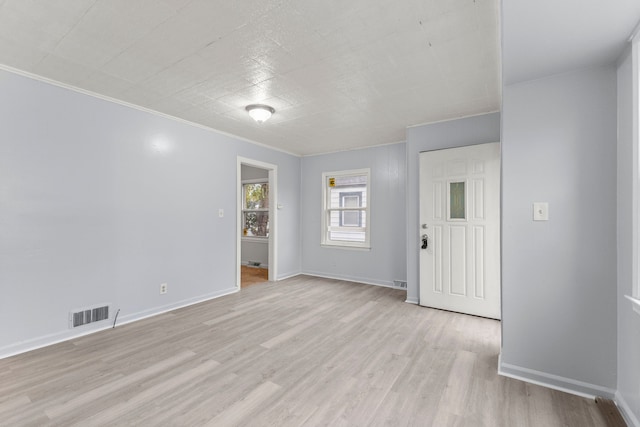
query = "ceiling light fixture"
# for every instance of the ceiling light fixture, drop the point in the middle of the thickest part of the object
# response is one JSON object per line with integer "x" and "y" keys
{"x": 260, "y": 112}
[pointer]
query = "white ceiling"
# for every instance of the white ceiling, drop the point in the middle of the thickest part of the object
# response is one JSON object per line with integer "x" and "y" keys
{"x": 340, "y": 74}
{"x": 544, "y": 37}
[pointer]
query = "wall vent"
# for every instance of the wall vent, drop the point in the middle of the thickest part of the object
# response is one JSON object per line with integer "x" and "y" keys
{"x": 88, "y": 315}
{"x": 400, "y": 284}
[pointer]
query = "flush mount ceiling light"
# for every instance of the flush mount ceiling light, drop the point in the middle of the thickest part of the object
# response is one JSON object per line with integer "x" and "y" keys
{"x": 260, "y": 112}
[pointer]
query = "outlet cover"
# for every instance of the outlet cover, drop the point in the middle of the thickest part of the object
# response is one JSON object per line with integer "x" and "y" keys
{"x": 163, "y": 288}
{"x": 540, "y": 211}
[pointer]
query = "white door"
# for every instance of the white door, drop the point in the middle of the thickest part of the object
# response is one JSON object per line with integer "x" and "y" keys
{"x": 460, "y": 229}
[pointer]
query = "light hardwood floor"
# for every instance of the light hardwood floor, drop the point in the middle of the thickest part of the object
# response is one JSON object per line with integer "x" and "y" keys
{"x": 303, "y": 351}
{"x": 252, "y": 276}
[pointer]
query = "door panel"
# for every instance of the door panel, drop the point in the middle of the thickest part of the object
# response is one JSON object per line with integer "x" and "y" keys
{"x": 457, "y": 260}
{"x": 478, "y": 261}
{"x": 460, "y": 217}
{"x": 437, "y": 261}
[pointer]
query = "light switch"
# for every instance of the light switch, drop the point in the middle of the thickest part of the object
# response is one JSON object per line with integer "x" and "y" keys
{"x": 220, "y": 213}
{"x": 540, "y": 211}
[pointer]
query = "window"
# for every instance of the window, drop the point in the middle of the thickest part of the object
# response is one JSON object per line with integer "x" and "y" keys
{"x": 346, "y": 208}
{"x": 457, "y": 201}
{"x": 255, "y": 209}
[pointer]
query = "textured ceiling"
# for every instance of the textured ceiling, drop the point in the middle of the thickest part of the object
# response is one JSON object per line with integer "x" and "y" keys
{"x": 340, "y": 74}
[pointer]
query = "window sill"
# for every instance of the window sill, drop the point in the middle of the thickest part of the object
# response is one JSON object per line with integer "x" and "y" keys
{"x": 353, "y": 248}
{"x": 255, "y": 239}
{"x": 636, "y": 303}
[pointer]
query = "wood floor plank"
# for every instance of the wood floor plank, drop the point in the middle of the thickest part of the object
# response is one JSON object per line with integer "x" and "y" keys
{"x": 244, "y": 408}
{"x": 14, "y": 403}
{"x": 148, "y": 395}
{"x": 610, "y": 411}
{"x": 250, "y": 276}
{"x": 116, "y": 385}
{"x": 302, "y": 351}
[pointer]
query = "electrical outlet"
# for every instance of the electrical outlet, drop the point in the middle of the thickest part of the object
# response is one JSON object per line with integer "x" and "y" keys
{"x": 540, "y": 211}
{"x": 163, "y": 288}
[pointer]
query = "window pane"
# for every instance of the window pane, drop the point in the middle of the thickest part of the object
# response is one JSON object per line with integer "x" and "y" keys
{"x": 351, "y": 219}
{"x": 256, "y": 224}
{"x": 256, "y": 196}
{"x": 456, "y": 199}
{"x": 346, "y": 235}
{"x": 342, "y": 187}
{"x": 347, "y": 226}
{"x": 351, "y": 201}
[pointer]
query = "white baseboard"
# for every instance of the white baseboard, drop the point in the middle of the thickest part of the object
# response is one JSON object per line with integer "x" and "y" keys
{"x": 51, "y": 339}
{"x": 173, "y": 306}
{"x": 66, "y": 335}
{"x": 288, "y": 275}
{"x": 630, "y": 418}
{"x": 412, "y": 300}
{"x": 355, "y": 279}
{"x": 555, "y": 382}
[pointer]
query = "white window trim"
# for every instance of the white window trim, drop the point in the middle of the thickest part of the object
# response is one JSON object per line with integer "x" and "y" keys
{"x": 366, "y": 245}
{"x": 253, "y": 181}
{"x": 635, "y": 61}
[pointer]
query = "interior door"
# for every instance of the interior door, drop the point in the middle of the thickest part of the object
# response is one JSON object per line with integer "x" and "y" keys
{"x": 460, "y": 229}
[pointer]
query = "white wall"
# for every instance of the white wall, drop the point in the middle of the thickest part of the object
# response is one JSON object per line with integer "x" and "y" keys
{"x": 386, "y": 260}
{"x": 454, "y": 133}
{"x": 628, "y": 321}
{"x": 559, "y": 276}
{"x": 100, "y": 202}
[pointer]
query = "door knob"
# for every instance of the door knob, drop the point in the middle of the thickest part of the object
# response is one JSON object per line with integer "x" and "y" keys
{"x": 425, "y": 241}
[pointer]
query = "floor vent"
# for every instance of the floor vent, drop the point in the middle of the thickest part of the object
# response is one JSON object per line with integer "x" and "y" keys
{"x": 88, "y": 315}
{"x": 400, "y": 284}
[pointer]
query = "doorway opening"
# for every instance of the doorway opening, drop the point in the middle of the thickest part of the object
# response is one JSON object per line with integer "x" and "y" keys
{"x": 256, "y": 222}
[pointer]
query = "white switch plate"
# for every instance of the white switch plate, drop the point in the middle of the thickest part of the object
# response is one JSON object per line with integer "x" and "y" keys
{"x": 540, "y": 211}
{"x": 220, "y": 213}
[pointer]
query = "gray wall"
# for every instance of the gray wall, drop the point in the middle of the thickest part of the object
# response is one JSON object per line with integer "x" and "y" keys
{"x": 249, "y": 172}
{"x": 94, "y": 210}
{"x": 386, "y": 260}
{"x": 628, "y": 320}
{"x": 254, "y": 251}
{"x": 454, "y": 133}
{"x": 559, "y": 276}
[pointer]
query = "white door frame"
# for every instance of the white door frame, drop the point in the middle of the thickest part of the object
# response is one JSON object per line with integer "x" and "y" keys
{"x": 273, "y": 223}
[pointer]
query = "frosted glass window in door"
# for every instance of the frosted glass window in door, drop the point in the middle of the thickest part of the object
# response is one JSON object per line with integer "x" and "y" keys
{"x": 457, "y": 202}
